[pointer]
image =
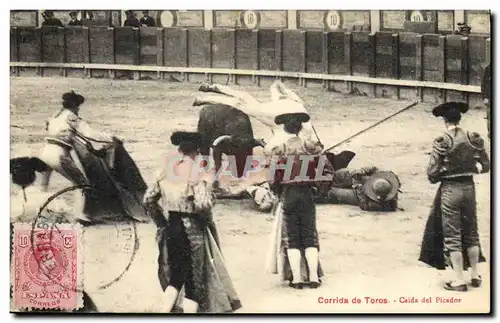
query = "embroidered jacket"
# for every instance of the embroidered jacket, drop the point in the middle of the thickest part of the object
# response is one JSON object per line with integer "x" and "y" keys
{"x": 63, "y": 126}
{"x": 457, "y": 153}
{"x": 287, "y": 149}
{"x": 177, "y": 189}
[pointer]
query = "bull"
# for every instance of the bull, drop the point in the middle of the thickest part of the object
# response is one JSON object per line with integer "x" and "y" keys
{"x": 228, "y": 131}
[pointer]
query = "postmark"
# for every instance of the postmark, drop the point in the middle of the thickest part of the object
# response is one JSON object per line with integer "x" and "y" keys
{"x": 47, "y": 267}
{"x": 109, "y": 249}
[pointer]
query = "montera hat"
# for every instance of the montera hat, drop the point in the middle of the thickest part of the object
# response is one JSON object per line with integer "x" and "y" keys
{"x": 73, "y": 97}
{"x": 382, "y": 186}
{"x": 450, "y": 109}
{"x": 185, "y": 137}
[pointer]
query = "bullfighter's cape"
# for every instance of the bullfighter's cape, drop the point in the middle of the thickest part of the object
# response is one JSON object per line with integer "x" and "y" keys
{"x": 277, "y": 260}
{"x": 119, "y": 185}
{"x": 191, "y": 195}
{"x": 432, "y": 248}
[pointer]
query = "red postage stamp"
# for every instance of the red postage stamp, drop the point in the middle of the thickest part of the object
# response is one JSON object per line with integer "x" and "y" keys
{"x": 47, "y": 271}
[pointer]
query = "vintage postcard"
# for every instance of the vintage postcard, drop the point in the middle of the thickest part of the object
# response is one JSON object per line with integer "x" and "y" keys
{"x": 250, "y": 161}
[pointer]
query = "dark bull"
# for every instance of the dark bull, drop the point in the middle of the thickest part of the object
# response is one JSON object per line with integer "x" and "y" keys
{"x": 228, "y": 131}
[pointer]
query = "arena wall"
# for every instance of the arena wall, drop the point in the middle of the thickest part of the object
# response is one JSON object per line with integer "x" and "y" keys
{"x": 428, "y": 67}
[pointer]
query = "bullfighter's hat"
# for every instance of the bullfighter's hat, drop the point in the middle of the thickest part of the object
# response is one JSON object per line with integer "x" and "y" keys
{"x": 185, "y": 137}
{"x": 73, "y": 97}
{"x": 449, "y": 110}
{"x": 382, "y": 186}
{"x": 23, "y": 170}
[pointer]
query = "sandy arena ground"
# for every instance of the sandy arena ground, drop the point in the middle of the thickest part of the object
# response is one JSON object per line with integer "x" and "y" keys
{"x": 363, "y": 254}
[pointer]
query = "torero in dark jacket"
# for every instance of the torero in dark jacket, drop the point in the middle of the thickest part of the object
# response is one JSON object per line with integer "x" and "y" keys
{"x": 452, "y": 230}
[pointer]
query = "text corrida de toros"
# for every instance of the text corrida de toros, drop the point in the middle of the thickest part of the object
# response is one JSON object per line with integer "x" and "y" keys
{"x": 400, "y": 300}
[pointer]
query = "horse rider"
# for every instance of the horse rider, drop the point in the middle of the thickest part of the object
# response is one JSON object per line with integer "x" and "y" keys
{"x": 62, "y": 129}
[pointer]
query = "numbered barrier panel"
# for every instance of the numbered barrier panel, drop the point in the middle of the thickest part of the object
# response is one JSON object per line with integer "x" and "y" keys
{"x": 408, "y": 55}
{"x": 175, "y": 51}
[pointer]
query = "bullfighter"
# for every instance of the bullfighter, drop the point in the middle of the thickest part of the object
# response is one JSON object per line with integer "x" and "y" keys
{"x": 296, "y": 208}
{"x": 189, "y": 253}
{"x": 451, "y": 232}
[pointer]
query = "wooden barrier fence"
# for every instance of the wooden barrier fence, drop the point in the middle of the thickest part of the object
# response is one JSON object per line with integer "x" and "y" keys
{"x": 431, "y": 68}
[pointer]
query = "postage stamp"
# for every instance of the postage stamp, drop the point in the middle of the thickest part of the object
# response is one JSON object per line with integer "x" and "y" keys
{"x": 46, "y": 271}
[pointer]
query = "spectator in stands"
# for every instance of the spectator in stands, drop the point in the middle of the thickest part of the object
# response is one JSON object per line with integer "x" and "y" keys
{"x": 131, "y": 20}
{"x": 89, "y": 21}
{"x": 462, "y": 29}
{"x": 50, "y": 20}
{"x": 146, "y": 20}
{"x": 485, "y": 91}
{"x": 74, "y": 19}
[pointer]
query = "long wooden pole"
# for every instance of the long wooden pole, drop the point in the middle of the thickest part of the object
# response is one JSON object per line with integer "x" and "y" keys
{"x": 372, "y": 126}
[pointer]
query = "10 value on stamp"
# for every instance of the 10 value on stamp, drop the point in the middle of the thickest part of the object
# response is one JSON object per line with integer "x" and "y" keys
{"x": 46, "y": 271}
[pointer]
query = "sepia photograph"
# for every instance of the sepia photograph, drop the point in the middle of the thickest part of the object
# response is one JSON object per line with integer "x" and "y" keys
{"x": 250, "y": 161}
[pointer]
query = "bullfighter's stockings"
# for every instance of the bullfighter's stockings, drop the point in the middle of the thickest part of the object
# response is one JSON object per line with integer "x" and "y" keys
{"x": 169, "y": 298}
{"x": 312, "y": 264}
{"x": 294, "y": 258}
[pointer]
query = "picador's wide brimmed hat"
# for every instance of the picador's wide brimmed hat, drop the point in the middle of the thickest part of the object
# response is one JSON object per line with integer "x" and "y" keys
{"x": 449, "y": 110}
{"x": 382, "y": 186}
{"x": 73, "y": 98}
{"x": 186, "y": 137}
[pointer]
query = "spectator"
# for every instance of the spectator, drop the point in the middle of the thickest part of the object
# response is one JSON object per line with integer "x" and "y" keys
{"x": 89, "y": 21}
{"x": 485, "y": 91}
{"x": 50, "y": 20}
{"x": 462, "y": 29}
{"x": 74, "y": 19}
{"x": 131, "y": 20}
{"x": 146, "y": 20}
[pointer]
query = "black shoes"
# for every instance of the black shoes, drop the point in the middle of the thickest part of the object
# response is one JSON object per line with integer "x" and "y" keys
{"x": 476, "y": 282}
{"x": 312, "y": 285}
{"x": 458, "y": 288}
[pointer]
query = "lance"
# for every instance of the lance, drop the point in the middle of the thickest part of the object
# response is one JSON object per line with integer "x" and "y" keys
{"x": 372, "y": 126}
